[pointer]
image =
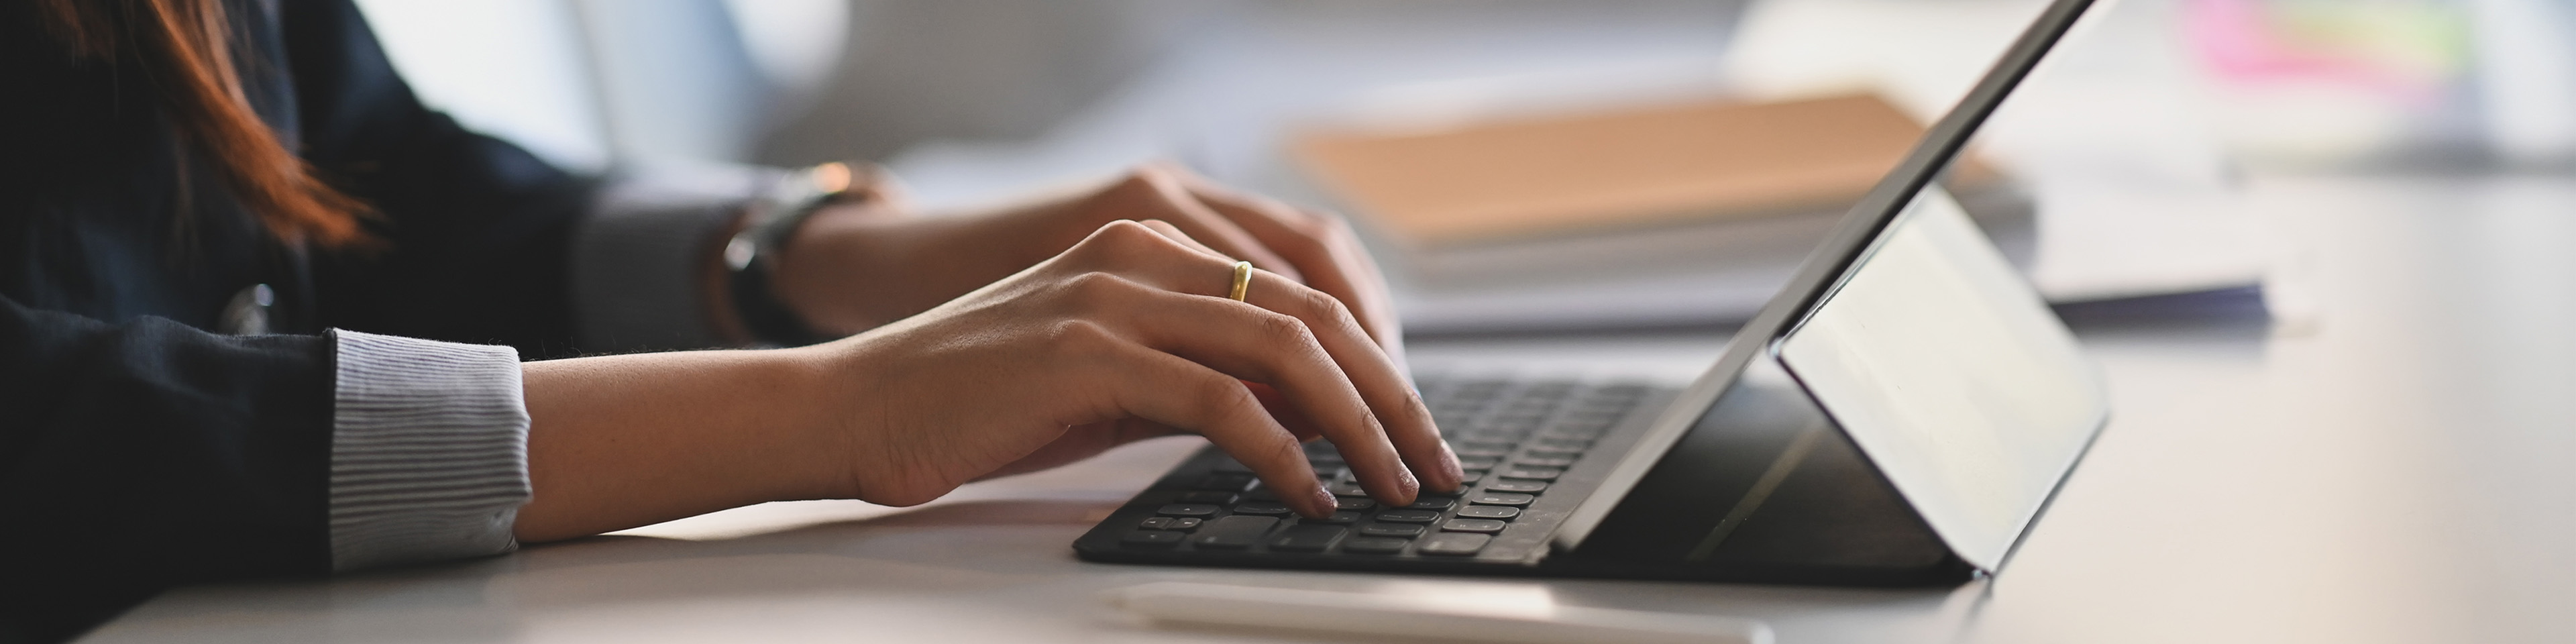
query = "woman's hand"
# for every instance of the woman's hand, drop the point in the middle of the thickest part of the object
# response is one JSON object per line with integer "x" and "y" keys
{"x": 856, "y": 267}
{"x": 1128, "y": 335}
{"x": 1125, "y": 335}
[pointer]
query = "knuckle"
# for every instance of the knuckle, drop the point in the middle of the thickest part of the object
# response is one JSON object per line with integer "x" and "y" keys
{"x": 1115, "y": 240}
{"x": 1282, "y": 330}
{"x": 1322, "y": 229}
{"x": 1228, "y": 402}
{"x": 1095, "y": 285}
{"x": 1143, "y": 186}
{"x": 1143, "y": 175}
{"x": 1124, "y": 231}
{"x": 1151, "y": 175}
{"x": 1229, "y": 396}
{"x": 1285, "y": 449}
{"x": 1322, "y": 306}
{"x": 1133, "y": 236}
{"x": 1079, "y": 336}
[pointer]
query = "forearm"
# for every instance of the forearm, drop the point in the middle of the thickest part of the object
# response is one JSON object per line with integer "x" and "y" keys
{"x": 622, "y": 441}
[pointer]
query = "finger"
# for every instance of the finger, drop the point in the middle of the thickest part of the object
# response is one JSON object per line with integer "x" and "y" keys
{"x": 1320, "y": 246}
{"x": 1157, "y": 194}
{"x": 1286, "y": 413}
{"x": 1404, "y": 420}
{"x": 1277, "y": 349}
{"x": 1399, "y": 411}
{"x": 1174, "y": 233}
{"x": 1167, "y": 389}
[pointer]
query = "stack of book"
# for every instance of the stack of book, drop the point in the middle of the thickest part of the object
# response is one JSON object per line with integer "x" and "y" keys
{"x": 1646, "y": 215}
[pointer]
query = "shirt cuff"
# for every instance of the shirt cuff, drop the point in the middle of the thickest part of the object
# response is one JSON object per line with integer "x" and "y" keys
{"x": 636, "y": 258}
{"x": 429, "y": 455}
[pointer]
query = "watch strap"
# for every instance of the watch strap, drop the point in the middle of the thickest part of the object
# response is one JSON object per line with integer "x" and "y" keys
{"x": 751, "y": 257}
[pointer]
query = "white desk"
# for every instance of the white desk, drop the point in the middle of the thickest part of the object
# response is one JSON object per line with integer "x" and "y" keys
{"x": 2389, "y": 464}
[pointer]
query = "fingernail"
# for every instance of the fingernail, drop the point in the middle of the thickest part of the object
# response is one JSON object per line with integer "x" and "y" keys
{"x": 1323, "y": 503}
{"x": 1449, "y": 467}
{"x": 1404, "y": 478}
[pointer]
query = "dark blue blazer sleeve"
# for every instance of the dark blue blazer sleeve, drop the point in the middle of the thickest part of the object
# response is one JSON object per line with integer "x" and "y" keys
{"x": 138, "y": 452}
{"x": 140, "y": 455}
{"x": 477, "y": 228}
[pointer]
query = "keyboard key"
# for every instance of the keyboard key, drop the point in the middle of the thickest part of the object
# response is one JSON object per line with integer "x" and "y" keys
{"x": 1405, "y": 530}
{"x": 1456, "y": 544}
{"x": 1409, "y": 516}
{"x": 1544, "y": 461}
{"x": 1577, "y": 444}
{"x": 1488, "y": 512}
{"x": 1156, "y": 523}
{"x": 1472, "y": 525}
{"x": 1571, "y": 433}
{"x": 1470, "y": 477}
{"x": 1183, "y": 524}
{"x": 1347, "y": 489}
{"x": 1234, "y": 533}
{"x": 1261, "y": 507}
{"x": 1187, "y": 510}
{"x": 1307, "y": 538}
{"x": 1478, "y": 463}
{"x": 1152, "y": 539}
{"x": 1483, "y": 452}
{"x": 1373, "y": 545}
{"x": 1431, "y": 503}
{"x": 1551, "y": 452}
{"x": 1534, "y": 473}
{"x": 1353, "y": 503}
{"x": 1530, "y": 487}
{"x": 1583, "y": 425}
{"x": 1226, "y": 482}
{"x": 1501, "y": 498}
{"x": 1338, "y": 518}
{"x": 1261, "y": 493}
{"x": 1209, "y": 497}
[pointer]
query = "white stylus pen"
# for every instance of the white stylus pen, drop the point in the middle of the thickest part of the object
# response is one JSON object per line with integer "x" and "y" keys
{"x": 1383, "y": 615}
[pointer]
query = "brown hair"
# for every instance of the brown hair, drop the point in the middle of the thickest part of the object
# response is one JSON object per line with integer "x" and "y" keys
{"x": 186, "y": 48}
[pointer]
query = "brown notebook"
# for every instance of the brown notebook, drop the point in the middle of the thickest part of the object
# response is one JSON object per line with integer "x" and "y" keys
{"x": 1636, "y": 167}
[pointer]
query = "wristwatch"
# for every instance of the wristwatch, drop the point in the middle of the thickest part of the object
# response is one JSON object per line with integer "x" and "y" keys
{"x": 751, "y": 257}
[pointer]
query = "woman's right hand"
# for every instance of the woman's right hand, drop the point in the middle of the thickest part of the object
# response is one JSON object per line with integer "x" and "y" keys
{"x": 1127, "y": 335}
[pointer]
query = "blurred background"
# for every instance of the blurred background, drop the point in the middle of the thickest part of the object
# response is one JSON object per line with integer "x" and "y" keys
{"x": 2121, "y": 159}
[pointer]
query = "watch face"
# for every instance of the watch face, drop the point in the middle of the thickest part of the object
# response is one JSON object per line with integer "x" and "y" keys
{"x": 739, "y": 251}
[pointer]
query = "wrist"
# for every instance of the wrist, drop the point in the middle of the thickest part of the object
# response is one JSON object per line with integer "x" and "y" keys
{"x": 626, "y": 440}
{"x": 753, "y": 255}
{"x": 808, "y": 416}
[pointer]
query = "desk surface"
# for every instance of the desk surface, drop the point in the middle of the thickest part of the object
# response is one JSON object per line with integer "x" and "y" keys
{"x": 2386, "y": 461}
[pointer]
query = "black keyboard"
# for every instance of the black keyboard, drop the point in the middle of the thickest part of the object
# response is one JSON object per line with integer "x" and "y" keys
{"x": 1516, "y": 440}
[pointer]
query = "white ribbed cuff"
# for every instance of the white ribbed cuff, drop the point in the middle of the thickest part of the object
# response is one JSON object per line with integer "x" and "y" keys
{"x": 429, "y": 456}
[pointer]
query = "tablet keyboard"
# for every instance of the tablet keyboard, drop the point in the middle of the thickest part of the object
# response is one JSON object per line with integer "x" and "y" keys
{"x": 1514, "y": 439}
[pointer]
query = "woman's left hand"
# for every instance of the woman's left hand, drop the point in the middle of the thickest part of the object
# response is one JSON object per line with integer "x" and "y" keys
{"x": 856, "y": 267}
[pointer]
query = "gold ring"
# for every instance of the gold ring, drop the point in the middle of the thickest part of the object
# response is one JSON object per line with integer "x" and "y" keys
{"x": 1242, "y": 281}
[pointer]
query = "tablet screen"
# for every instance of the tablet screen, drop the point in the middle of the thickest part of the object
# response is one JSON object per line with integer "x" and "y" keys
{"x": 1949, "y": 373}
